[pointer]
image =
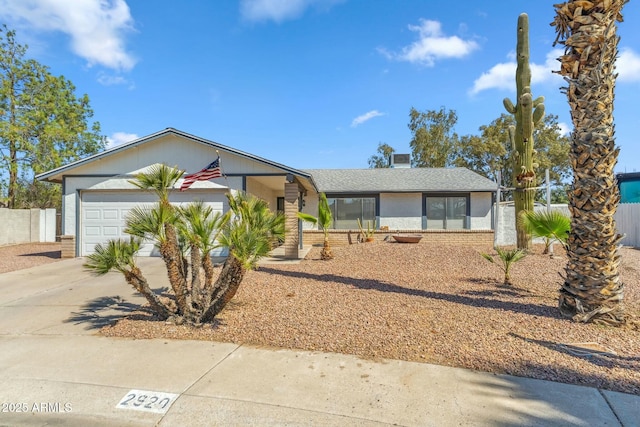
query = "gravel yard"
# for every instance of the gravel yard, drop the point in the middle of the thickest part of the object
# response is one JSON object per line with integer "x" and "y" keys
{"x": 425, "y": 303}
{"x": 18, "y": 257}
{"x": 437, "y": 304}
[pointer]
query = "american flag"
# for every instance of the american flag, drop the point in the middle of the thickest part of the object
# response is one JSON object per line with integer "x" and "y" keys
{"x": 211, "y": 171}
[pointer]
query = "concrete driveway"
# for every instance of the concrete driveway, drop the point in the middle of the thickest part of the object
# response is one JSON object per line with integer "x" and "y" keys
{"x": 55, "y": 370}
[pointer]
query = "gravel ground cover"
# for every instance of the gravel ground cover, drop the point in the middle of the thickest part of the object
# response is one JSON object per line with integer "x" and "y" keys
{"x": 427, "y": 303}
{"x": 18, "y": 257}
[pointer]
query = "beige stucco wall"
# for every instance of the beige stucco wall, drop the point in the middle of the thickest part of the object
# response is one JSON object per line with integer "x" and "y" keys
{"x": 27, "y": 225}
{"x": 270, "y": 196}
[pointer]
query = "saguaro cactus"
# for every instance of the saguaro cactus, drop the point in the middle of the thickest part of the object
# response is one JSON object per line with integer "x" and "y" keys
{"x": 528, "y": 113}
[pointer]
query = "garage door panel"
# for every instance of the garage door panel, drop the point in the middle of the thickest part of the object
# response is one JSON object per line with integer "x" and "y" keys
{"x": 103, "y": 214}
{"x": 92, "y": 231}
{"x": 92, "y": 214}
{"x": 108, "y": 214}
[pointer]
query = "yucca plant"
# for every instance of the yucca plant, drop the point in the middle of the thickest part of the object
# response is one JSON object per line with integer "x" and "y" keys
{"x": 552, "y": 226}
{"x": 507, "y": 258}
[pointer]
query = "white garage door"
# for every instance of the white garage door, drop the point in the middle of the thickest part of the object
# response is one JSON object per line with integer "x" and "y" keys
{"x": 103, "y": 213}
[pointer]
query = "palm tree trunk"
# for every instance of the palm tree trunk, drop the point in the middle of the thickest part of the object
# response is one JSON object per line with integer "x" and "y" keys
{"x": 175, "y": 268}
{"x": 206, "y": 289}
{"x": 225, "y": 287}
{"x": 592, "y": 290}
{"x": 139, "y": 282}
{"x": 326, "y": 253}
{"x": 196, "y": 275}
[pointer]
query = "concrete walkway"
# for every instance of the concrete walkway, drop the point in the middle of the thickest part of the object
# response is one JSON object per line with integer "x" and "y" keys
{"x": 55, "y": 370}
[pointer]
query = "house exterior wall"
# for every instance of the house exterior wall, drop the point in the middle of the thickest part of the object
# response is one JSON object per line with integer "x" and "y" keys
{"x": 400, "y": 211}
{"x": 481, "y": 217}
{"x": 310, "y": 207}
{"x": 174, "y": 151}
{"x": 403, "y": 211}
{"x": 270, "y": 196}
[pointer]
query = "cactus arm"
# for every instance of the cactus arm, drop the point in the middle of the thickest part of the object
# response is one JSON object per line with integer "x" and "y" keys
{"x": 508, "y": 105}
{"x": 538, "y": 114}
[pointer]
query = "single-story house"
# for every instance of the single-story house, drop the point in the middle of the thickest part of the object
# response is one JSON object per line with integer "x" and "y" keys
{"x": 97, "y": 194}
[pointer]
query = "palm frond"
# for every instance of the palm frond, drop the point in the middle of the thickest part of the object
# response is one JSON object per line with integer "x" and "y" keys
{"x": 551, "y": 225}
{"x": 324, "y": 212}
{"x": 147, "y": 222}
{"x": 201, "y": 226}
{"x": 159, "y": 178}
{"x": 116, "y": 255}
{"x": 308, "y": 218}
{"x": 251, "y": 231}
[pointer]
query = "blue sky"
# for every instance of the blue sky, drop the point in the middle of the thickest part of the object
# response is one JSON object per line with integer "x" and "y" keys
{"x": 307, "y": 83}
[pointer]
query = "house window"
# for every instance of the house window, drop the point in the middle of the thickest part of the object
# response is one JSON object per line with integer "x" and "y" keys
{"x": 347, "y": 210}
{"x": 446, "y": 211}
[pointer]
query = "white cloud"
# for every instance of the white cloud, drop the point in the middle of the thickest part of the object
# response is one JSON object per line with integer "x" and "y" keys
{"x": 565, "y": 129}
{"x": 119, "y": 138}
{"x": 113, "y": 80}
{"x": 502, "y": 75}
{"x": 628, "y": 66}
{"x": 432, "y": 45}
{"x": 365, "y": 117}
{"x": 279, "y": 10}
{"x": 97, "y": 27}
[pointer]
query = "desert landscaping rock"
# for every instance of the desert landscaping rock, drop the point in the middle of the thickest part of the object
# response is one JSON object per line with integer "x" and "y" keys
{"x": 440, "y": 304}
{"x": 426, "y": 303}
{"x": 19, "y": 257}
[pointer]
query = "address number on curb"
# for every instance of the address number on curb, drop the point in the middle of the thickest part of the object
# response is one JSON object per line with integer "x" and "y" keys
{"x": 149, "y": 401}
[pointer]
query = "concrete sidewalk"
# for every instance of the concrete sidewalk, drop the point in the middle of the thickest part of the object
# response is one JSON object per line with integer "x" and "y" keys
{"x": 55, "y": 370}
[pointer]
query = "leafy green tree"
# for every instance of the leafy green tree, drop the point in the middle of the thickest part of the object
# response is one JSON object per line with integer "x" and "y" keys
{"x": 43, "y": 125}
{"x": 559, "y": 194}
{"x": 381, "y": 159}
{"x": 434, "y": 142}
{"x": 186, "y": 236}
{"x": 490, "y": 151}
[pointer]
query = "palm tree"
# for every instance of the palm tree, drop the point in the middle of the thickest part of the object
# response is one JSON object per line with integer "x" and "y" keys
{"x": 250, "y": 235}
{"x": 200, "y": 231}
{"x": 324, "y": 219}
{"x": 160, "y": 223}
{"x": 120, "y": 255}
{"x": 186, "y": 236}
{"x": 592, "y": 290}
{"x": 507, "y": 257}
{"x": 552, "y": 225}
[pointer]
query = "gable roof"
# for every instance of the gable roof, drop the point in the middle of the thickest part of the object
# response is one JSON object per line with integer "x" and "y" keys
{"x": 400, "y": 180}
{"x": 55, "y": 174}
